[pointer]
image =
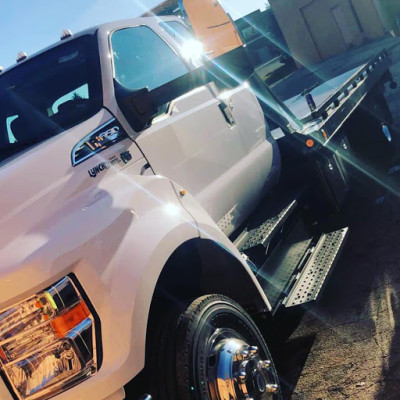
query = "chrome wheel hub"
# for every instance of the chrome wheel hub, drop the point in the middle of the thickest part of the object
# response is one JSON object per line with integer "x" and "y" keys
{"x": 236, "y": 371}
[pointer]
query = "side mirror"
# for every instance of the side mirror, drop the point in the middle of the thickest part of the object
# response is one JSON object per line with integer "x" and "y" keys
{"x": 136, "y": 106}
{"x": 141, "y": 106}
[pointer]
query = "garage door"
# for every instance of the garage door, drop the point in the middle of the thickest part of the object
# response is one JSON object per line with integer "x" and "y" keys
{"x": 323, "y": 28}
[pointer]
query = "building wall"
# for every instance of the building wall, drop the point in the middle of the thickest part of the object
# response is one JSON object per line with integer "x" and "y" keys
{"x": 369, "y": 18}
{"x": 389, "y": 10}
{"x": 317, "y": 29}
{"x": 291, "y": 22}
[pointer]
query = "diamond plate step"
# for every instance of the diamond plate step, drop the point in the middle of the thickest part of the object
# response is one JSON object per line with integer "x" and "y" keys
{"x": 263, "y": 233}
{"x": 311, "y": 280}
{"x": 279, "y": 268}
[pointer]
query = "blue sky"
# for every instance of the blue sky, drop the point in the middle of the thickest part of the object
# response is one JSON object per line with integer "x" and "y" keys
{"x": 30, "y": 25}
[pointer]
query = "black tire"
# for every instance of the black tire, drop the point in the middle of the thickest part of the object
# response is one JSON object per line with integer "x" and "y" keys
{"x": 184, "y": 351}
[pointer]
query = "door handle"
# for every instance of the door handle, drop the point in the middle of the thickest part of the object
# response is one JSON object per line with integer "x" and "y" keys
{"x": 226, "y": 108}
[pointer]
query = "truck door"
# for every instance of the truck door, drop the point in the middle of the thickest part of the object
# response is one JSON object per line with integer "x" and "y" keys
{"x": 225, "y": 163}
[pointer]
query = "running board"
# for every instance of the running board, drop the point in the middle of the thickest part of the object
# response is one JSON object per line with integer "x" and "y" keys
{"x": 308, "y": 284}
{"x": 262, "y": 234}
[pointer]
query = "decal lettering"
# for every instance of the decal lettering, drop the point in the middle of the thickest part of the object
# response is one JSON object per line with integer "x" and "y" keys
{"x": 111, "y": 134}
{"x": 114, "y": 160}
{"x": 100, "y": 139}
{"x": 93, "y": 172}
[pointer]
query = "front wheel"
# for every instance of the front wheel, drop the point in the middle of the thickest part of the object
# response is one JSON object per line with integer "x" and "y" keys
{"x": 220, "y": 354}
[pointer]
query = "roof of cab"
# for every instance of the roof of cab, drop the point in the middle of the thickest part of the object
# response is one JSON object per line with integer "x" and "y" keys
{"x": 108, "y": 26}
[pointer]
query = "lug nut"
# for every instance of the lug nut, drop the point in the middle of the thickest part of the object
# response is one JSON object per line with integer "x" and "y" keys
{"x": 244, "y": 355}
{"x": 264, "y": 364}
{"x": 241, "y": 374}
{"x": 242, "y": 377}
{"x": 271, "y": 388}
{"x": 253, "y": 350}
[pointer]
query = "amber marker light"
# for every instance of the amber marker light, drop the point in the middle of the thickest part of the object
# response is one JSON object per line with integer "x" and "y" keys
{"x": 310, "y": 143}
{"x": 70, "y": 319}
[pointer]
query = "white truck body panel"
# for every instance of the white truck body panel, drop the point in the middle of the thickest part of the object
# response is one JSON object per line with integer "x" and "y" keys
{"x": 224, "y": 168}
{"x": 194, "y": 146}
{"x": 95, "y": 228}
{"x": 117, "y": 230}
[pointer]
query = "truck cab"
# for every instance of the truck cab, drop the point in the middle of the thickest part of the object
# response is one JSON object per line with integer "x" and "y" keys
{"x": 138, "y": 232}
{"x": 98, "y": 202}
{"x": 189, "y": 140}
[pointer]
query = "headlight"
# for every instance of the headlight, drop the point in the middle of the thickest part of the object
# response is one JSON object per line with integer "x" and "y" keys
{"x": 48, "y": 342}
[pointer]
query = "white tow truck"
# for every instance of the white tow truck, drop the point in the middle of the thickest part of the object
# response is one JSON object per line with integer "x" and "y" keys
{"x": 147, "y": 213}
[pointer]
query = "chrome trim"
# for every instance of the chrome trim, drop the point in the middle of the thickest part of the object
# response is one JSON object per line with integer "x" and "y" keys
{"x": 85, "y": 139}
{"x": 240, "y": 373}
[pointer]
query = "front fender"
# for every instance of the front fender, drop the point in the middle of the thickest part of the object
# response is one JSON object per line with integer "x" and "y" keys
{"x": 115, "y": 239}
{"x": 121, "y": 288}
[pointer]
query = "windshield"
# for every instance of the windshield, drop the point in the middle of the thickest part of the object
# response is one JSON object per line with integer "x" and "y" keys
{"x": 48, "y": 94}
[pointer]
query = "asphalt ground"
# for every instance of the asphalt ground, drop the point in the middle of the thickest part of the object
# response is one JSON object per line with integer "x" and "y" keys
{"x": 347, "y": 346}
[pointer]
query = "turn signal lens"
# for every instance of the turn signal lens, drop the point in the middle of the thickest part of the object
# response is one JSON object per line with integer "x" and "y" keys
{"x": 310, "y": 143}
{"x": 47, "y": 342}
{"x": 64, "y": 323}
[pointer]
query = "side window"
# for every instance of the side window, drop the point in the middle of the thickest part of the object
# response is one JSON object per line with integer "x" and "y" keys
{"x": 143, "y": 59}
{"x": 81, "y": 92}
